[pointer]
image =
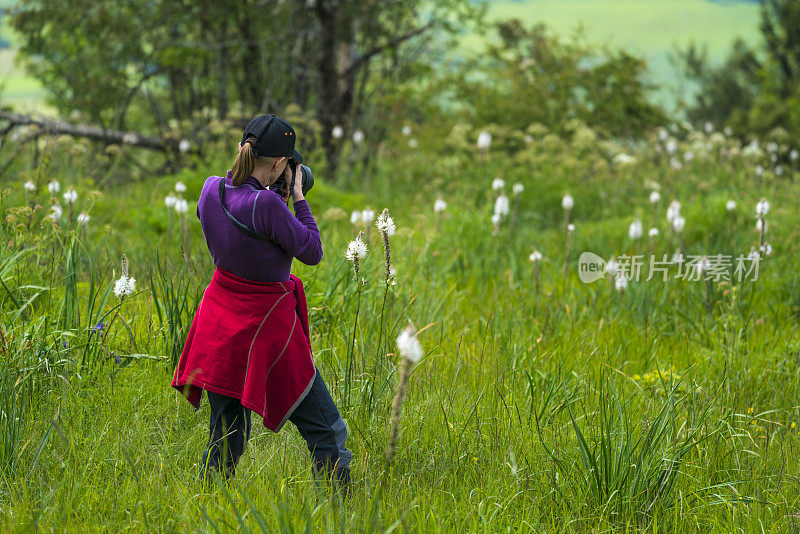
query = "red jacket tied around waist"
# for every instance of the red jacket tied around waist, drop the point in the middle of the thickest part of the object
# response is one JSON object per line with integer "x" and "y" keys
{"x": 249, "y": 340}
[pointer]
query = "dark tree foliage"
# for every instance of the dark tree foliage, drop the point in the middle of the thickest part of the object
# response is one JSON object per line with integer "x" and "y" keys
{"x": 780, "y": 22}
{"x": 724, "y": 90}
{"x": 175, "y": 60}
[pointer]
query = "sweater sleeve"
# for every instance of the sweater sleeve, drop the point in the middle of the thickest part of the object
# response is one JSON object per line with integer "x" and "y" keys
{"x": 297, "y": 234}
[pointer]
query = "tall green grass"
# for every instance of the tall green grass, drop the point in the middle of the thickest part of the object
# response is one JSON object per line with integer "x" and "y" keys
{"x": 574, "y": 409}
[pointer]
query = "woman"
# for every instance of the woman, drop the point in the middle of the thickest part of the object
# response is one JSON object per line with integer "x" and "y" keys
{"x": 248, "y": 346}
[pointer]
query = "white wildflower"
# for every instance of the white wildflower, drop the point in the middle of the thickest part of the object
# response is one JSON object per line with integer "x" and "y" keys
{"x": 498, "y": 184}
{"x": 676, "y": 164}
{"x": 759, "y": 171}
{"x": 635, "y": 230}
{"x": 620, "y": 282}
{"x": 484, "y": 140}
{"x": 355, "y": 217}
{"x": 367, "y": 215}
{"x": 612, "y": 266}
{"x": 440, "y": 205}
{"x": 501, "y": 205}
{"x": 703, "y": 265}
{"x": 413, "y": 143}
{"x": 56, "y": 212}
{"x": 54, "y": 187}
{"x": 709, "y": 127}
{"x": 794, "y": 155}
{"x": 184, "y": 145}
{"x": 535, "y": 256}
{"x": 70, "y": 196}
{"x": 385, "y": 223}
{"x": 337, "y": 132}
{"x": 730, "y": 205}
{"x": 567, "y": 202}
{"x": 180, "y": 187}
{"x": 409, "y": 345}
{"x": 358, "y": 137}
{"x": 517, "y": 188}
{"x": 766, "y": 249}
{"x": 678, "y": 223}
{"x": 181, "y": 206}
{"x": 655, "y": 196}
{"x": 83, "y": 218}
{"x": 570, "y": 227}
{"x": 169, "y": 200}
{"x": 653, "y": 232}
{"x": 30, "y": 186}
{"x": 688, "y": 156}
{"x": 672, "y": 146}
{"x": 762, "y": 208}
{"x": 759, "y": 225}
{"x": 406, "y": 130}
{"x": 124, "y": 286}
{"x": 356, "y": 249}
{"x": 673, "y": 211}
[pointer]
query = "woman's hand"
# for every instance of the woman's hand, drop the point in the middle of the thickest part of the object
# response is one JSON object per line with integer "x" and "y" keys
{"x": 297, "y": 193}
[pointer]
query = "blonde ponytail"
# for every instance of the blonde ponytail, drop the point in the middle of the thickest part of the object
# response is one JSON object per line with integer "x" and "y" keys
{"x": 245, "y": 163}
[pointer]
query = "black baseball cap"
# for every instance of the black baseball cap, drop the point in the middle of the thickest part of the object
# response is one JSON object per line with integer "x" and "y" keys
{"x": 275, "y": 137}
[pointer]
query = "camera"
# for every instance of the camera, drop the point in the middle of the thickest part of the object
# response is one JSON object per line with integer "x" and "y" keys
{"x": 307, "y": 179}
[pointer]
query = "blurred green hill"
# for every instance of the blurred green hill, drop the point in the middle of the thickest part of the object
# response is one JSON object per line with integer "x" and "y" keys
{"x": 649, "y": 28}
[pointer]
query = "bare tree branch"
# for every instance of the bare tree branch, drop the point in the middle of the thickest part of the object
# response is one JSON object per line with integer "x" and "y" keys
{"x": 393, "y": 43}
{"x": 91, "y": 132}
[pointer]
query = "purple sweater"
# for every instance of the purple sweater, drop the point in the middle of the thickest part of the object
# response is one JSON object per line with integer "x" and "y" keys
{"x": 262, "y": 211}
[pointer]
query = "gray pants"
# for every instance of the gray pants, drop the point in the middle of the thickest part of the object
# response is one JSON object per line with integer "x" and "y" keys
{"x": 316, "y": 418}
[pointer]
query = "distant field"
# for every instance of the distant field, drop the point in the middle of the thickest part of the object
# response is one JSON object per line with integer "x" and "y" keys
{"x": 649, "y": 28}
{"x": 16, "y": 87}
{"x": 643, "y": 26}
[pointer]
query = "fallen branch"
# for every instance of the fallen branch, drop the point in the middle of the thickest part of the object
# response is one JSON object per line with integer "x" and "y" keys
{"x": 95, "y": 132}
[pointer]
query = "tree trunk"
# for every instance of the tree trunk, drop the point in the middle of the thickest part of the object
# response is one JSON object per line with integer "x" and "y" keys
{"x": 336, "y": 76}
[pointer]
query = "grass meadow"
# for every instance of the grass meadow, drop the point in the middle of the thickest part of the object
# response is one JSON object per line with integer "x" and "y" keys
{"x": 570, "y": 407}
